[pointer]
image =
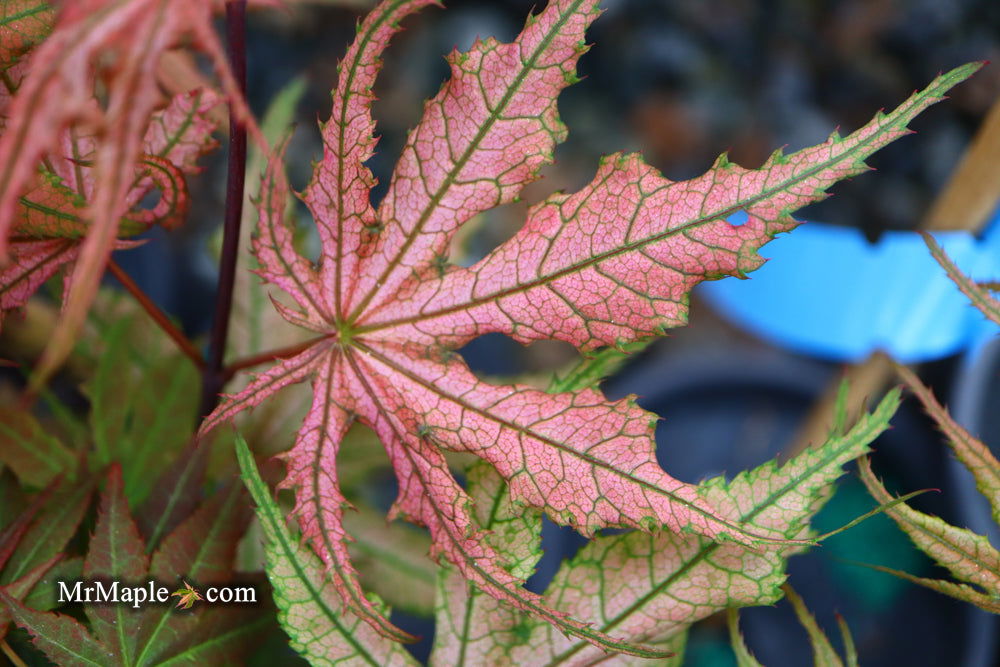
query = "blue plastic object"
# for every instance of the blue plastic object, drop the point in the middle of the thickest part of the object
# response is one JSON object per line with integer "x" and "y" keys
{"x": 829, "y": 293}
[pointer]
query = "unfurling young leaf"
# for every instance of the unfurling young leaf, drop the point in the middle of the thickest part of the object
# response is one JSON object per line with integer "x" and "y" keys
{"x": 604, "y": 267}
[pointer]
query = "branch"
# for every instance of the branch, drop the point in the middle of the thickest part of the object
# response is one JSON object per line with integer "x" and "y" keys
{"x": 213, "y": 377}
{"x": 158, "y": 316}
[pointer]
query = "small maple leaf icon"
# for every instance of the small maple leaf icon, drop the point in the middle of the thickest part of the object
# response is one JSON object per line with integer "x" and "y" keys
{"x": 188, "y": 596}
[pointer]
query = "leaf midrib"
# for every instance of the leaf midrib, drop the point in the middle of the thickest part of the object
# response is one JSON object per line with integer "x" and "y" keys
{"x": 872, "y": 424}
{"x": 61, "y": 248}
{"x": 583, "y": 456}
{"x": 23, "y": 14}
{"x": 352, "y": 72}
{"x": 282, "y": 540}
{"x": 901, "y": 114}
{"x": 452, "y": 175}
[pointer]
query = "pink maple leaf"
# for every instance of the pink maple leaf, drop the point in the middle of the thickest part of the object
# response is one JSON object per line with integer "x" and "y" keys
{"x": 610, "y": 264}
{"x": 51, "y": 215}
{"x": 122, "y": 42}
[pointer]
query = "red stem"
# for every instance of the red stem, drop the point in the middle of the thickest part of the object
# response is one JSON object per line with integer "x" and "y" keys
{"x": 270, "y": 355}
{"x": 158, "y": 316}
{"x": 213, "y": 377}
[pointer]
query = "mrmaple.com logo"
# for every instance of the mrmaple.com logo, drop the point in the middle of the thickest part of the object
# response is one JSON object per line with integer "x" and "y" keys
{"x": 114, "y": 592}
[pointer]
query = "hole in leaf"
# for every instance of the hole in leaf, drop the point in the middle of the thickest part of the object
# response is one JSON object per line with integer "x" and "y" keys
{"x": 495, "y": 358}
{"x": 485, "y": 232}
{"x": 738, "y": 219}
{"x": 558, "y": 543}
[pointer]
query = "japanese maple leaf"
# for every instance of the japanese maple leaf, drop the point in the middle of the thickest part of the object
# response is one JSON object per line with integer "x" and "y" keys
{"x": 608, "y": 265}
{"x": 122, "y": 42}
{"x": 51, "y": 220}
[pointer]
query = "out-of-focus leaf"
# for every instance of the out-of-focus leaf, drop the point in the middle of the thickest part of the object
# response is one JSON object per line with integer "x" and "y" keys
{"x": 979, "y": 296}
{"x": 12, "y": 500}
{"x": 142, "y": 406}
{"x": 972, "y": 452}
{"x": 176, "y": 493}
{"x": 361, "y": 456}
{"x": 963, "y": 592}
{"x": 116, "y": 553}
{"x": 222, "y": 637}
{"x": 968, "y": 556}
{"x": 392, "y": 560}
{"x": 744, "y": 658}
{"x": 58, "y": 90}
{"x": 31, "y": 264}
{"x": 63, "y": 639}
{"x": 33, "y": 454}
{"x": 201, "y": 549}
{"x": 50, "y": 530}
{"x": 823, "y": 653}
{"x": 44, "y": 596}
{"x": 255, "y": 326}
{"x": 20, "y": 588}
{"x": 850, "y": 650}
{"x": 14, "y": 529}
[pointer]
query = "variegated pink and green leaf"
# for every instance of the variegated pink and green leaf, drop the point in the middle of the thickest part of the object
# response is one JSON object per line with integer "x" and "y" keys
{"x": 978, "y": 294}
{"x": 640, "y": 585}
{"x": 606, "y": 266}
{"x": 971, "y": 451}
{"x": 969, "y": 557}
{"x": 309, "y": 607}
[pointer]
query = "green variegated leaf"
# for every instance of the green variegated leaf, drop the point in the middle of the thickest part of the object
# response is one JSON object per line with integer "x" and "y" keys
{"x": 640, "y": 585}
{"x": 971, "y": 451}
{"x": 308, "y": 608}
{"x": 824, "y": 654}
{"x": 968, "y": 556}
